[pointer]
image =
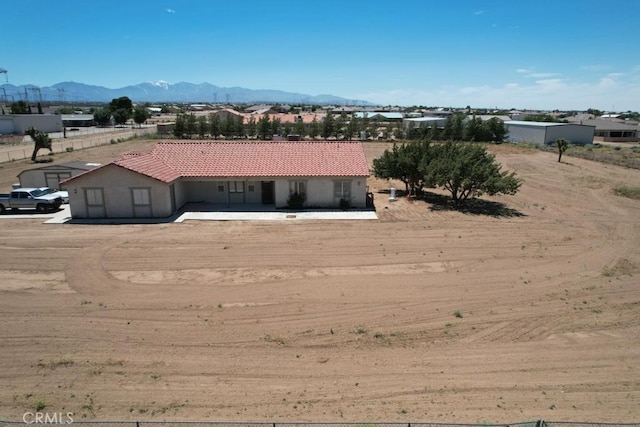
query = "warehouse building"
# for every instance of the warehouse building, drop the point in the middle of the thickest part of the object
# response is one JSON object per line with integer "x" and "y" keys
{"x": 542, "y": 133}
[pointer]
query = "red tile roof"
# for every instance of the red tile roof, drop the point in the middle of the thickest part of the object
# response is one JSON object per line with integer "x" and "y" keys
{"x": 169, "y": 161}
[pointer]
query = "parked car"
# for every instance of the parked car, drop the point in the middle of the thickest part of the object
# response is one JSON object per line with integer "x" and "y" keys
{"x": 30, "y": 198}
{"x": 61, "y": 193}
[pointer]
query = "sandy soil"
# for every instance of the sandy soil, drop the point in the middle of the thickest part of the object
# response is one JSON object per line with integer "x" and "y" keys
{"x": 346, "y": 320}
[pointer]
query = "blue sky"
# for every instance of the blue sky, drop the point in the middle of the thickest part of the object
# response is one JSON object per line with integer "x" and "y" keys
{"x": 547, "y": 54}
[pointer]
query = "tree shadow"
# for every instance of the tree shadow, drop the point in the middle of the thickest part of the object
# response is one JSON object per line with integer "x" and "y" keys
{"x": 441, "y": 202}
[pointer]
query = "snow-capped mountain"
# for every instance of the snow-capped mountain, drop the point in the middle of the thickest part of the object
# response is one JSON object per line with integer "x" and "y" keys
{"x": 162, "y": 91}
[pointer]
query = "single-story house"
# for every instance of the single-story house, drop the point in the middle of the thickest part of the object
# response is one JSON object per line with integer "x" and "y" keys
{"x": 542, "y": 133}
{"x": 383, "y": 116}
{"x": 158, "y": 183}
{"x": 52, "y": 175}
{"x": 613, "y": 131}
{"x": 423, "y": 122}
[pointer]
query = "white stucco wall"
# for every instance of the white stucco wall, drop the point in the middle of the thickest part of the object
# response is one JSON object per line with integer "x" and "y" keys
{"x": 116, "y": 184}
{"x": 320, "y": 191}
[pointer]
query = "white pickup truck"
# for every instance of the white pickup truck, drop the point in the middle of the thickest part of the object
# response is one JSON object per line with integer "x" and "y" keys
{"x": 30, "y": 198}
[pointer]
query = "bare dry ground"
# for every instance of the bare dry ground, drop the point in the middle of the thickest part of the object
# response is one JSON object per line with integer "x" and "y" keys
{"x": 526, "y": 307}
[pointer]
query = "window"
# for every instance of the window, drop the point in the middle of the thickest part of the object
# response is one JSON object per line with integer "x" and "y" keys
{"x": 251, "y": 186}
{"x": 141, "y": 196}
{"x": 297, "y": 187}
{"x": 220, "y": 186}
{"x": 94, "y": 196}
{"x": 342, "y": 189}
{"x": 236, "y": 186}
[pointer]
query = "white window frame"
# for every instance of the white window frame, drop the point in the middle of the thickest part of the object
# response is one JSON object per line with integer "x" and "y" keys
{"x": 141, "y": 196}
{"x": 90, "y": 196}
{"x": 342, "y": 189}
{"x": 297, "y": 187}
{"x": 236, "y": 186}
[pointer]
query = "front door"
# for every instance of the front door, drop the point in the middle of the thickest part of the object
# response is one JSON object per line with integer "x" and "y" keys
{"x": 268, "y": 192}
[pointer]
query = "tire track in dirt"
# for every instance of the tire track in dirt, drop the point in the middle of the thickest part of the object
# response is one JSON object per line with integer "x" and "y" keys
{"x": 85, "y": 272}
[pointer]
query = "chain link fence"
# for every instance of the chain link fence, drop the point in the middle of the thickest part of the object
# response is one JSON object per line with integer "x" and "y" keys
{"x": 60, "y": 145}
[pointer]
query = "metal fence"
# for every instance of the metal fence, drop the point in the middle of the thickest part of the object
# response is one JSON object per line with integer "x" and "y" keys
{"x": 24, "y": 150}
{"x": 537, "y": 423}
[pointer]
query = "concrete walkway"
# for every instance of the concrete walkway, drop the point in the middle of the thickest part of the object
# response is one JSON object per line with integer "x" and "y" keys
{"x": 63, "y": 216}
{"x": 276, "y": 215}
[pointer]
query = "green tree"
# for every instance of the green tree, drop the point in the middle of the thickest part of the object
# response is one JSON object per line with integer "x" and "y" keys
{"x": 140, "y": 115}
{"x": 214, "y": 125}
{"x": 41, "y": 140}
{"x": 240, "y": 127}
{"x": 203, "y": 126}
{"x": 474, "y": 131}
{"x": 275, "y": 126}
{"x": 264, "y": 127}
{"x": 314, "y": 128}
{"x": 179, "y": 128}
{"x": 466, "y": 171}
{"x": 298, "y": 128}
{"x": 102, "y": 116}
{"x": 434, "y": 132}
{"x": 453, "y": 127}
{"x": 120, "y": 116}
{"x": 19, "y": 107}
{"x": 252, "y": 127}
{"x": 496, "y": 129}
{"x": 228, "y": 126}
{"x": 403, "y": 162}
{"x": 353, "y": 127}
{"x": 190, "y": 125}
{"x": 562, "y": 145}
{"x": 121, "y": 109}
{"x": 328, "y": 125}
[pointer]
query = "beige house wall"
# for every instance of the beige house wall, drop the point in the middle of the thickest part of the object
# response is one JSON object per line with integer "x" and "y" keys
{"x": 116, "y": 185}
{"x": 320, "y": 191}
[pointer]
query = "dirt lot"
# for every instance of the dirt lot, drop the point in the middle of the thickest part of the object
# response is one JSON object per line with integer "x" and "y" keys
{"x": 525, "y": 310}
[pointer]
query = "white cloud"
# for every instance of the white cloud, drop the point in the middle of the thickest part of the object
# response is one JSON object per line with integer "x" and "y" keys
{"x": 479, "y": 12}
{"x": 168, "y": 10}
{"x": 543, "y": 75}
{"x": 546, "y": 94}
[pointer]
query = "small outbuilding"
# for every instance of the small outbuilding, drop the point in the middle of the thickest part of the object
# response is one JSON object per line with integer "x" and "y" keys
{"x": 52, "y": 175}
{"x": 542, "y": 133}
{"x": 158, "y": 183}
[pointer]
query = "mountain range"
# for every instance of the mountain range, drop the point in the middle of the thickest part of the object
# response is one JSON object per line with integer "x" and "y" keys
{"x": 162, "y": 91}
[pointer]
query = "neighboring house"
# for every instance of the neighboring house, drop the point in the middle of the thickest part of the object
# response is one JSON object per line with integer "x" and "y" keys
{"x": 487, "y": 117}
{"x": 225, "y": 113}
{"x": 52, "y": 175}
{"x": 259, "y": 107}
{"x": 607, "y": 130}
{"x": 158, "y": 183}
{"x": 383, "y": 116}
{"x": 542, "y": 133}
{"x": 423, "y": 122}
